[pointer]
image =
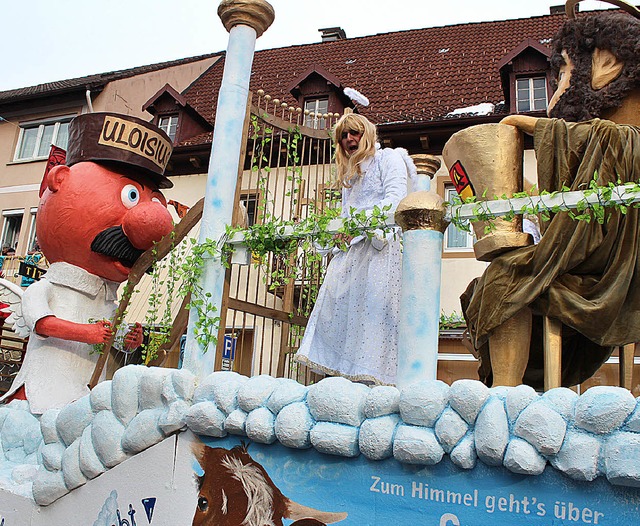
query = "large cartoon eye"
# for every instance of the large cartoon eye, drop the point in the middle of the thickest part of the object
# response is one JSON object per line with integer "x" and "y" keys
{"x": 130, "y": 196}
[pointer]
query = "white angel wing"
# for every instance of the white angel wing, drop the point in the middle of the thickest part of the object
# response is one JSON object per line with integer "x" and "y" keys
{"x": 11, "y": 294}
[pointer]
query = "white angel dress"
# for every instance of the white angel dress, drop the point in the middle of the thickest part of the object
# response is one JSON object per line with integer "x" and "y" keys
{"x": 353, "y": 328}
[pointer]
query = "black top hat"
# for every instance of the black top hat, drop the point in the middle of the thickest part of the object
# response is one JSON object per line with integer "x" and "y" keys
{"x": 121, "y": 139}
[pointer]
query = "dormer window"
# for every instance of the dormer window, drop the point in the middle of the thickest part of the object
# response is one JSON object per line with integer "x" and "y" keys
{"x": 525, "y": 74}
{"x": 169, "y": 108}
{"x": 169, "y": 124}
{"x": 316, "y": 108}
{"x": 318, "y": 92}
{"x": 531, "y": 94}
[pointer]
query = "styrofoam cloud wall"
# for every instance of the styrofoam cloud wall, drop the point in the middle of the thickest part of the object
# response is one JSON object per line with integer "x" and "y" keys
{"x": 595, "y": 434}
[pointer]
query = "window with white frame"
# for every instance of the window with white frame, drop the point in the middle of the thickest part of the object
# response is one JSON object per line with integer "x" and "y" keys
{"x": 11, "y": 228}
{"x": 316, "y": 108}
{"x": 531, "y": 94}
{"x": 455, "y": 239}
{"x": 33, "y": 240}
{"x": 36, "y": 138}
{"x": 250, "y": 203}
{"x": 169, "y": 124}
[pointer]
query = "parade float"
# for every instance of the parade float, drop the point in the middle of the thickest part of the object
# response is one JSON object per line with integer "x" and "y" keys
{"x": 191, "y": 446}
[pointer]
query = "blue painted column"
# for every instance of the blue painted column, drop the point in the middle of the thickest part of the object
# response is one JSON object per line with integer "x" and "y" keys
{"x": 422, "y": 218}
{"x": 245, "y": 20}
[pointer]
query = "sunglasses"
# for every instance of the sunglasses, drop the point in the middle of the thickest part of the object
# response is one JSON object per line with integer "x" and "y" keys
{"x": 346, "y": 133}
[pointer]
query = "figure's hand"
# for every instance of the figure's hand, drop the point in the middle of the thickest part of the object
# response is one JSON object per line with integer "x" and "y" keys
{"x": 524, "y": 123}
{"x": 99, "y": 332}
{"x": 134, "y": 337}
{"x": 91, "y": 333}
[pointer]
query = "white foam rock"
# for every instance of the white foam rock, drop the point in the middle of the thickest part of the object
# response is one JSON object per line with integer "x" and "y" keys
{"x": 184, "y": 384}
{"x": 563, "y": 400}
{"x": 450, "y": 428}
{"x": 287, "y": 392}
{"x": 151, "y": 387}
{"x": 260, "y": 426}
{"x": 633, "y": 423}
{"x": 235, "y": 422}
{"x": 204, "y": 418}
{"x": 337, "y": 400}
{"x": 255, "y": 392}
{"x": 174, "y": 418}
{"x": 48, "y": 487}
{"x": 143, "y": 431}
{"x": 100, "y": 397}
{"x": 622, "y": 459}
{"x": 579, "y": 455}
{"x": 90, "y": 464}
{"x": 464, "y": 454}
{"x": 48, "y": 426}
{"x": 382, "y": 400}
{"x": 467, "y": 397}
{"x": 603, "y": 409}
{"x": 335, "y": 439}
{"x": 422, "y": 403}
{"x": 521, "y": 457}
{"x": 73, "y": 476}
{"x": 416, "y": 445}
{"x": 20, "y": 431}
{"x": 124, "y": 392}
{"x": 220, "y": 387}
{"x": 73, "y": 418}
{"x": 293, "y": 426}
{"x": 492, "y": 432}
{"x": 517, "y": 399}
{"x": 106, "y": 435}
{"x": 376, "y": 436}
{"x": 542, "y": 427}
{"x": 52, "y": 456}
{"x": 24, "y": 474}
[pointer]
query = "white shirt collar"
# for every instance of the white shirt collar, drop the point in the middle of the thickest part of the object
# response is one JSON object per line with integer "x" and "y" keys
{"x": 76, "y": 278}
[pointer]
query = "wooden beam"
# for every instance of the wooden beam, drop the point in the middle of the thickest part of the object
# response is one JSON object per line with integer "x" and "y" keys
{"x": 626, "y": 354}
{"x": 552, "y": 330}
{"x": 266, "y": 312}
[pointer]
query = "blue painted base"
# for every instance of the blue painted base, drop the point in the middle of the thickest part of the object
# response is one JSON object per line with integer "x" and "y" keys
{"x": 387, "y": 492}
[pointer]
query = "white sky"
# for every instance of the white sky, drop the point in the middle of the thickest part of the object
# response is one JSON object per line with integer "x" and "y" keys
{"x": 48, "y": 40}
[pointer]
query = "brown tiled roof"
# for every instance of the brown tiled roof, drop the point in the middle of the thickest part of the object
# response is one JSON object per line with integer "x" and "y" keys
{"x": 408, "y": 76}
{"x": 90, "y": 81}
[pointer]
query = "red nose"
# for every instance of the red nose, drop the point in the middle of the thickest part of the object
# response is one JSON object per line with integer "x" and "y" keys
{"x": 147, "y": 223}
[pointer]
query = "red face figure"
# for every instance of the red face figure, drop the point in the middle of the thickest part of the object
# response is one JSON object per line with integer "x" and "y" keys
{"x": 100, "y": 218}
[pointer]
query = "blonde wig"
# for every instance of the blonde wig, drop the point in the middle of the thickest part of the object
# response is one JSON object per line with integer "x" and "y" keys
{"x": 348, "y": 166}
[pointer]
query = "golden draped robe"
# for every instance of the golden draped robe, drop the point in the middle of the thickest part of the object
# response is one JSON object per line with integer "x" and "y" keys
{"x": 585, "y": 274}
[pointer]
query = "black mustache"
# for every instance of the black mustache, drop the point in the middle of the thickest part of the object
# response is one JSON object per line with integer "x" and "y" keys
{"x": 114, "y": 243}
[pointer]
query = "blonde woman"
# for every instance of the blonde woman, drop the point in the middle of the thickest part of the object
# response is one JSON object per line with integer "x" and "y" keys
{"x": 353, "y": 329}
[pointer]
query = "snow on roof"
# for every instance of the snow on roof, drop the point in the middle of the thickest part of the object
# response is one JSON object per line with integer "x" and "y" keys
{"x": 485, "y": 108}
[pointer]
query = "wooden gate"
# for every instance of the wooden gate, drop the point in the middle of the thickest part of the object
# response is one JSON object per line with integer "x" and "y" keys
{"x": 287, "y": 174}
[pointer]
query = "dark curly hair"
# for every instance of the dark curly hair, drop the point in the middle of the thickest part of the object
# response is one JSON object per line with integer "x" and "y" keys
{"x": 616, "y": 32}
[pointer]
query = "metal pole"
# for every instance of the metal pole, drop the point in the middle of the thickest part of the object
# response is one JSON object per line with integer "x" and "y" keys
{"x": 245, "y": 20}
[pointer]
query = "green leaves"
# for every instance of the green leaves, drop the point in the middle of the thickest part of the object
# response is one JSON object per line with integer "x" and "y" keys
{"x": 596, "y": 204}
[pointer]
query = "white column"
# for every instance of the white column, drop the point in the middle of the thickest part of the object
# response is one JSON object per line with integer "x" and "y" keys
{"x": 422, "y": 218}
{"x": 245, "y": 20}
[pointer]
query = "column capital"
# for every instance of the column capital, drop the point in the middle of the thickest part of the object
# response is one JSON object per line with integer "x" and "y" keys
{"x": 258, "y": 14}
{"x": 422, "y": 211}
{"x": 426, "y": 164}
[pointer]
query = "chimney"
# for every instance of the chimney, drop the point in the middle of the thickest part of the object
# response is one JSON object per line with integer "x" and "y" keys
{"x": 331, "y": 34}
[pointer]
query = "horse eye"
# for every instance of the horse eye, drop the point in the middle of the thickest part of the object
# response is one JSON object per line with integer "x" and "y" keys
{"x": 203, "y": 504}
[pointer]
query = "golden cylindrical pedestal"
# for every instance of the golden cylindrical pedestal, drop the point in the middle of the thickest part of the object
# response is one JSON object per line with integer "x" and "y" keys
{"x": 486, "y": 161}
